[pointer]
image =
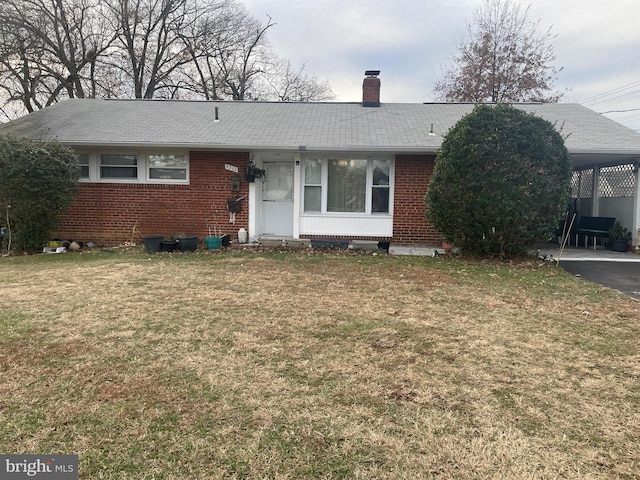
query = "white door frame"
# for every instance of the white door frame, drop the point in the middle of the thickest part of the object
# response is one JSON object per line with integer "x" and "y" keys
{"x": 256, "y": 227}
{"x": 277, "y": 211}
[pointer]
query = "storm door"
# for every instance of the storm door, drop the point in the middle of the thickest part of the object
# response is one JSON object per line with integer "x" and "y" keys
{"x": 277, "y": 199}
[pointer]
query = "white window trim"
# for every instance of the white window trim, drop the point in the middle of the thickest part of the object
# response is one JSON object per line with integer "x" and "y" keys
{"x": 369, "y": 186}
{"x": 177, "y": 181}
{"x": 143, "y": 166}
{"x": 120, "y": 179}
{"x": 82, "y": 152}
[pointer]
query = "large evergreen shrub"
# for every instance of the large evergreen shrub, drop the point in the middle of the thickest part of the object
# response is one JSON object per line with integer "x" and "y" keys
{"x": 501, "y": 181}
{"x": 37, "y": 180}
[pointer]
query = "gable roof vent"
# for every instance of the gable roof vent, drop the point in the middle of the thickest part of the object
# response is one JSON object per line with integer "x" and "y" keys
{"x": 371, "y": 89}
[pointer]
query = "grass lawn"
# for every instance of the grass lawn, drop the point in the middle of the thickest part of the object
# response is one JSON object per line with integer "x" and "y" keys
{"x": 290, "y": 365}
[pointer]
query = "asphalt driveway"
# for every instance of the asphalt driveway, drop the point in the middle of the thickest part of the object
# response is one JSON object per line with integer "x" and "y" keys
{"x": 621, "y": 276}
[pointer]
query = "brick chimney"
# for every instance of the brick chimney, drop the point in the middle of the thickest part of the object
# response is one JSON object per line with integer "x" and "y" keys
{"x": 371, "y": 89}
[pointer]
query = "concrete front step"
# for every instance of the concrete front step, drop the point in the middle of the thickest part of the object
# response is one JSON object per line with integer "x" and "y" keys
{"x": 283, "y": 242}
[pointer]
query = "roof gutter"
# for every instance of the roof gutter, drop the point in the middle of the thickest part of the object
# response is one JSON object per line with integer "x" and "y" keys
{"x": 605, "y": 151}
{"x": 245, "y": 148}
{"x": 631, "y": 153}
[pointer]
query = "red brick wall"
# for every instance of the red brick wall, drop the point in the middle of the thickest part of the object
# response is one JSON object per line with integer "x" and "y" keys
{"x": 106, "y": 213}
{"x": 412, "y": 175}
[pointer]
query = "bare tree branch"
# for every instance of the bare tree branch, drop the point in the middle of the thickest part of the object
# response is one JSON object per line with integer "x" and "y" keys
{"x": 285, "y": 84}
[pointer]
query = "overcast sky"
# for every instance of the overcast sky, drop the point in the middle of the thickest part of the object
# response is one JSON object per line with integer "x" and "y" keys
{"x": 597, "y": 44}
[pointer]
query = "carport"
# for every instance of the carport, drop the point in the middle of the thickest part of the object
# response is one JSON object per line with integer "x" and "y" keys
{"x": 607, "y": 184}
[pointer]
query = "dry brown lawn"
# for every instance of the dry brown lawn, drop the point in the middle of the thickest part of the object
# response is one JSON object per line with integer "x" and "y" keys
{"x": 291, "y": 365}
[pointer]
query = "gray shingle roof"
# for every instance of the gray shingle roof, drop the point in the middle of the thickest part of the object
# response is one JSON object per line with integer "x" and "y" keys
{"x": 392, "y": 127}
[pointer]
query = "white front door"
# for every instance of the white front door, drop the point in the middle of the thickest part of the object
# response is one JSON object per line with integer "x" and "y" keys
{"x": 277, "y": 199}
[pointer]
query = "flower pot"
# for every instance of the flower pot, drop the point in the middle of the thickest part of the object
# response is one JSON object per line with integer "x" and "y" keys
{"x": 250, "y": 178}
{"x": 188, "y": 243}
{"x": 618, "y": 245}
{"x": 169, "y": 245}
{"x": 153, "y": 243}
{"x": 213, "y": 243}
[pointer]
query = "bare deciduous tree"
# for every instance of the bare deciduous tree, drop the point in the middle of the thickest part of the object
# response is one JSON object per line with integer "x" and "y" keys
{"x": 504, "y": 59}
{"x": 214, "y": 49}
{"x": 286, "y": 84}
{"x": 50, "y": 49}
{"x": 242, "y": 55}
{"x": 228, "y": 50}
{"x": 150, "y": 44}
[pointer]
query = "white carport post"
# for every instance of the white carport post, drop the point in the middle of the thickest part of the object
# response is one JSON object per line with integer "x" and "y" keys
{"x": 298, "y": 194}
{"x": 253, "y": 207}
{"x": 595, "y": 193}
{"x": 636, "y": 206}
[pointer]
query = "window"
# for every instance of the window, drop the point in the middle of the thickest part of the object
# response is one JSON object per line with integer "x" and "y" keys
{"x": 168, "y": 167}
{"x": 118, "y": 166}
{"x": 313, "y": 186}
{"x": 380, "y": 186}
{"x": 83, "y": 162}
{"x": 347, "y": 185}
{"x": 137, "y": 166}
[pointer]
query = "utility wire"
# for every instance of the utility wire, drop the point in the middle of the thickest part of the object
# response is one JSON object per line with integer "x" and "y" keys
{"x": 621, "y": 111}
{"x": 618, "y": 90}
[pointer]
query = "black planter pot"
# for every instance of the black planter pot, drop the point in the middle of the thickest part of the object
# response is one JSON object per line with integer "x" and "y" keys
{"x": 250, "y": 178}
{"x": 188, "y": 243}
{"x": 384, "y": 246}
{"x": 169, "y": 245}
{"x": 618, "y": 245}
{"x": 153, "y": 243}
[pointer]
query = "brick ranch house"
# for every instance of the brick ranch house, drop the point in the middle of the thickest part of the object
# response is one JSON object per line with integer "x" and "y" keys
{"x": 333, "y": 170}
